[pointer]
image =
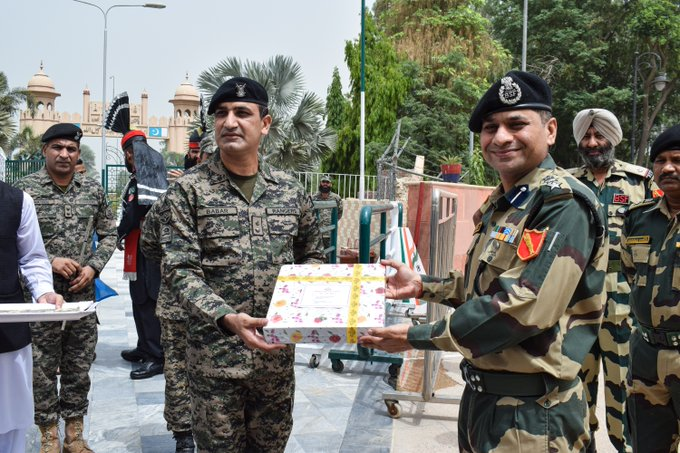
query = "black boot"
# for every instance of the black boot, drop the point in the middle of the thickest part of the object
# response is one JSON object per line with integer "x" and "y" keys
{"x": 185, "y": 442}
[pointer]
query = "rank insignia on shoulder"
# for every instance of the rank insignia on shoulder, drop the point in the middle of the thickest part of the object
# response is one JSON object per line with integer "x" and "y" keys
{"x": 637, "y": 240}
{"x": 551, "y": 182}
{"x": 620, "y": 198}
{"x": 531, "y": 243}
{"x": 503, "y": 233}
{"x": 657, "y": 193}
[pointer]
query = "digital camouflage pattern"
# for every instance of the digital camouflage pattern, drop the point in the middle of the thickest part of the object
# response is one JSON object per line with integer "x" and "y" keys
{"x": 650, "y": 257}
{"x": 177, "y": 409}
{"x": 222, "y": 256}
{"x": 64, "y": 217}
{"x": 624, "y": 185}
{"x": 325, "y": 214}
{"x": 536, "y": 316}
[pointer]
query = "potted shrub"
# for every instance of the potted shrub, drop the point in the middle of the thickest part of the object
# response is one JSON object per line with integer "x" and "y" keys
{"x": 451, "y": 167}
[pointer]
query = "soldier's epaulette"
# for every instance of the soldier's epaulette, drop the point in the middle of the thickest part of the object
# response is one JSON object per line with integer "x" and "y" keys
{"x": 642, "y": 204}
{"x": 637, "y": 170}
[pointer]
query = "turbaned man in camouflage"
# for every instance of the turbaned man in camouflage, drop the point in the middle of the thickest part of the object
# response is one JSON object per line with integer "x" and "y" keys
{"x": 617, "y": 185}
{"x": 70, "y": 206}
{"x": 650, "y": 255}
{"x": 529, "y": 306}
{"x": 233, "y": 222}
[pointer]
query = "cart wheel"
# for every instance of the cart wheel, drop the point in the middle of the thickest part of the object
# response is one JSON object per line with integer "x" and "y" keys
{"x": 393, "y": 408}
{"x": 337, "y": 365}
{"x": 394, "y": 370}
{"x": 314, "y": 361}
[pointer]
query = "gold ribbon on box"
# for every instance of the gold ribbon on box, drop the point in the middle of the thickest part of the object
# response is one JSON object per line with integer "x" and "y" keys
{"x": 356, "y": 279}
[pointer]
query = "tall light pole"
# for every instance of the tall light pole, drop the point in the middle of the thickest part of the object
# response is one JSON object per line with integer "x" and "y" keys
{"x": 362, "y": 96}
{"x": 105, "y": 13}
{"x": 659, "y": 83}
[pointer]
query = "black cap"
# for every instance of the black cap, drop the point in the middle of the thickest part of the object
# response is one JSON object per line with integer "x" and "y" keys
{"x": 517, "y": 90}
{"x": 239, "y": 89}
{"x": 63, "y": 130}
{"x": 669, "y": 140}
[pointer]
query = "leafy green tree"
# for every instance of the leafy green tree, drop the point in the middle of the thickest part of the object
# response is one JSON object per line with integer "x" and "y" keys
{"x": 26, "y": 144}
{"x": 386, "y": 89}
{"x": 297, "y": 139}
{"x": 87, "y": 156}
{"x": 10, "y": 101}
{"x": 336, "y": 103}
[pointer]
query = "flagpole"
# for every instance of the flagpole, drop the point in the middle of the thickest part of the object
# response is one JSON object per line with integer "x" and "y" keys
{"x": 363, "y": 105}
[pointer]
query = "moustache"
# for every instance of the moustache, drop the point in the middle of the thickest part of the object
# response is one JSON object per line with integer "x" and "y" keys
{"x": 664, "y": 177}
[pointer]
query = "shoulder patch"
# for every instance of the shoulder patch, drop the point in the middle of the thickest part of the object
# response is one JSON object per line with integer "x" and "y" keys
{"x": 637, "y": 170}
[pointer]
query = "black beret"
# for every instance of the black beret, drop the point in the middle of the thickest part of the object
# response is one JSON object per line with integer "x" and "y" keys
{"x": 669, "y": 140}
{"x": 63, "y": 130}
{"x": 517, "y": 90}
{"x": 239, "y": 89}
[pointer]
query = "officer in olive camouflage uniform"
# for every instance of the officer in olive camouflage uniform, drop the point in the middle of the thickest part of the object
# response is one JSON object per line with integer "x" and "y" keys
{"x": 233, "y": 222}
{"x": 651, "y": 261}
{"x": 325, "y": 194}
{"x": 70, "y": 207}
{"x": 617, "y": 185}
{"x": 529, "y": 306}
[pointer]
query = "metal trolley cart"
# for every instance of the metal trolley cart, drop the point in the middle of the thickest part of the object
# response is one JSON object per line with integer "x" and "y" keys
{"x": 365, "y": 244}
{"x": 442, "y": 235}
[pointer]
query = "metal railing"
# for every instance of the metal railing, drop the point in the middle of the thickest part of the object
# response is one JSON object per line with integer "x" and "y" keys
{"x": 17, "y": 169}
{"x": 345, "y": 185}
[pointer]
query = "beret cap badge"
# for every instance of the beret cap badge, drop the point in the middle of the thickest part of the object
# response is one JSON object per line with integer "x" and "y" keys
{"x": 509, "y": 93}
{"x": 241, "y": 90}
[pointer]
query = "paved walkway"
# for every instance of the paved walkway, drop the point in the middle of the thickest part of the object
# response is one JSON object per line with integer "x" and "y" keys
{"x": 334, "y": 412}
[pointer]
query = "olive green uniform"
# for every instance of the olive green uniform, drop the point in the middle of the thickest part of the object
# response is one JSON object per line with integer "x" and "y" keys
{"x": 525, "y": 326}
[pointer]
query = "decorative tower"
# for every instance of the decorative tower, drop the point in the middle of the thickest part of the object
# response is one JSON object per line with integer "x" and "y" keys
{"x": 42, "y": 89}
{"x": 185, "y": 111}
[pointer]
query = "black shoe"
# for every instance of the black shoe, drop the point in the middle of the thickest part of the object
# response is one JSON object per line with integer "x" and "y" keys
{"x": 185, "y": 442}
{"x": 133, "y": 355}
{"x": 147, "y": 370}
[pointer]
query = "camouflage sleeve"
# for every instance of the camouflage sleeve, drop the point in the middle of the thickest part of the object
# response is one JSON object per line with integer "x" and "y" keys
{"x": 181, "y": 263}
{"x": 446, "y": 291}
{"x": 529, "y": 297}
{"x": 627, "y": 265}
{"x": 105, "y": 227}
{"x": 150, "y": 240}
{"x": 308, "y": 247}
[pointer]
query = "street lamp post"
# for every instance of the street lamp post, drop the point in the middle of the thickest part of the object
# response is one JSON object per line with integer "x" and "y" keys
{"x": 105, "y": 13}
{"x": 659, "y": 83}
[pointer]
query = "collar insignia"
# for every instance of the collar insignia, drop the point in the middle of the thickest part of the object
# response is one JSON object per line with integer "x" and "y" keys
{"x": 517, "y": 195}
{"x": 509, "y": 93}
{"x": 240, "y": 90}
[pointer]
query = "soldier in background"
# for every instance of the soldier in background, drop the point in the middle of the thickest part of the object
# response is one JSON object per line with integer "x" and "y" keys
{"x": 529, "y": 306}
{"x": 233, "y": 222}
{"x": 70, "y": 206}
{"x": 617, "y": 185}
{"x": 192, "y": 156}
{"x": 325, "y": 193}
{"x": 650, "y": 243}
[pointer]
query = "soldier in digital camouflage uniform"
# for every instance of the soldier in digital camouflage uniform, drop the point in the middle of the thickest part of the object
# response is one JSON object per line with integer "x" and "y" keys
{"x": 177, "y": 409}
{"x": 233, "y": 222}
{"x": 651, "y": 261}
{"x": 528, "y": 308}
{"x": 70, "y": 206}
{"x": 617, "y": 185}
{"x": 325, "y": 193}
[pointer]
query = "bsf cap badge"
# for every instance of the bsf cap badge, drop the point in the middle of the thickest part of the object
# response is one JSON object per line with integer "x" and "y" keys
{"x": 241, "y": 90}
{"x": 509, "y": 93}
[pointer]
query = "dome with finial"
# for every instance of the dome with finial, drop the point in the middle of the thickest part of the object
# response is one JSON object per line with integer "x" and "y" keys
{"x": 41, "y": 83}
{"x": 186, "y": 91}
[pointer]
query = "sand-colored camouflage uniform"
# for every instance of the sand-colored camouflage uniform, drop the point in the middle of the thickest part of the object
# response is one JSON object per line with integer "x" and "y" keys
{"x": 624, "y": 185}
{"x": 67, "y": 218}
{"x": 651, "y": 261}
{"x": 528, "y": 309}
{"x": 325, "y": 214}
{"x": 172, "y": 316}
{"x": 222, "y": 256}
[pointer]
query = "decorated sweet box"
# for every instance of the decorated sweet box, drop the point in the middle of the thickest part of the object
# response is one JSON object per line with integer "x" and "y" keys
{"x": 326, "y": 303}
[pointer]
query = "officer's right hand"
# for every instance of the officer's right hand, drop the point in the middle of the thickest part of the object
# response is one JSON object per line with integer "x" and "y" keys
{"x": 245, "y": 327}
{"x": 405, "y": 284}
{"x": 66, "y": 267}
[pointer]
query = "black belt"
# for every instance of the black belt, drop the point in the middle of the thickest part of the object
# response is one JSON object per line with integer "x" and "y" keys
{"x": 512, "y": 384}
{"x": 660, "y": 337}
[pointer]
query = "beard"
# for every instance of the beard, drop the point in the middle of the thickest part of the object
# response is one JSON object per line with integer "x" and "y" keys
{"x": 324, "y": 189}
{"x": 603, "y": 159}
{"x": 189, "y": 161}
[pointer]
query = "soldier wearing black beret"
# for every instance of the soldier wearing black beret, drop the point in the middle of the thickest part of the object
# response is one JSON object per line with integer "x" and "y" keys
{"x": 239, "y": 89}
{"x": 669, "y": 140}
{"x": 529, "y": 306}
{"x": 63, "y": 130}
